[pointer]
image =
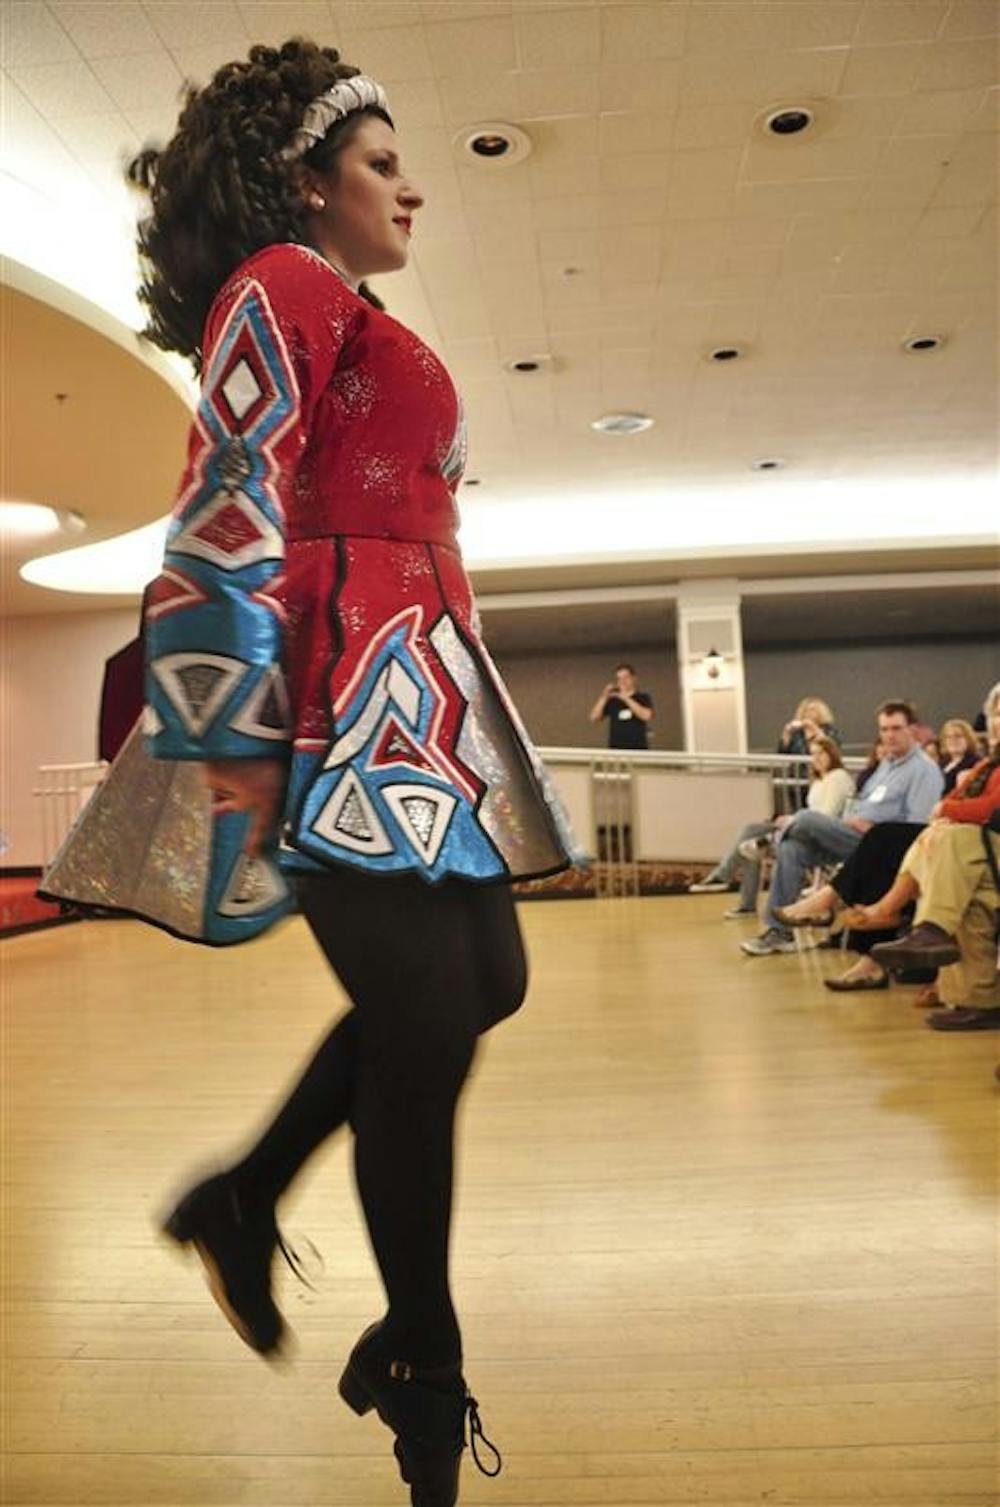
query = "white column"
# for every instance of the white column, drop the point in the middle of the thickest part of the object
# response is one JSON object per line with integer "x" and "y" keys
{"x": 710, "y": 661}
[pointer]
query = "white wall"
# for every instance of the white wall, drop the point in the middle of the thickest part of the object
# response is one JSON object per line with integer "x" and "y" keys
{"x": 51, "y": 670}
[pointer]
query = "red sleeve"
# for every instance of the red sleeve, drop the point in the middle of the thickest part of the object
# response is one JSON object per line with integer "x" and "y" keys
{"x": 215, "y": 681}
{"x": 980, "y": 808}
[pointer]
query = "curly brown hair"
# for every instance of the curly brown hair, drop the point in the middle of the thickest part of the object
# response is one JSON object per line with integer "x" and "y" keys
{"x": 219, "y": 190}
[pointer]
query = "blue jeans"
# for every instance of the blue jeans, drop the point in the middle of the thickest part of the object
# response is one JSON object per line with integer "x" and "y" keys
{"x": 726, "y": 868}
{"x": 810, "y": 839}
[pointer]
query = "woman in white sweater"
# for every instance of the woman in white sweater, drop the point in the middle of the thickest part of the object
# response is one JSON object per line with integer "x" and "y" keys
{"x": 831, "y": 787}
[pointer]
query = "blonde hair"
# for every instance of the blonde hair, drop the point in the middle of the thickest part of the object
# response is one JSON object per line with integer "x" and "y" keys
{"x": 956, "y": 724}
{"x": 992, "y": 697}
{"x": 823, "y": 712}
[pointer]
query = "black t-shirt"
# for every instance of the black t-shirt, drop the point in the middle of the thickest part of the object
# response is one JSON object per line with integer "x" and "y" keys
{"x": 625, "y": 729}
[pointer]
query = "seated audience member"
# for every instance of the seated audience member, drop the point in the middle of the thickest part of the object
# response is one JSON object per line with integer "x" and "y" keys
{"x": 629, "y": 711}
{"x": 958, "y": 750}
{"x": 951, "y": 870}
{"x": 905, "y": 787}
{"x": 830, "y": 788}
{"x": 864, "y": 877}
{"x": 875, "y": 756}
{"x": 812, "y": 719}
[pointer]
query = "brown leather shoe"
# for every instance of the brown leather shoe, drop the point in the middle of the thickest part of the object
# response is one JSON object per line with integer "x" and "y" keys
{"x": 964, "y": 1019}
{"x": 926, "y": 946}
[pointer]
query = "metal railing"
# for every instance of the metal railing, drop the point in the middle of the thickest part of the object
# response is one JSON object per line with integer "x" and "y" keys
{"x": 63, "y": 790}
{"x": 612, "y": 827}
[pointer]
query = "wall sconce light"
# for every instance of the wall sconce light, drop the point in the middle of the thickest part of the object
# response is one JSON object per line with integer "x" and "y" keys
{"x": 713, "y": 663}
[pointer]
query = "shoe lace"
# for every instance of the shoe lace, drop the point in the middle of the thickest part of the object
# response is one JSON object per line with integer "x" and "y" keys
{"x": 476, "y": 1436}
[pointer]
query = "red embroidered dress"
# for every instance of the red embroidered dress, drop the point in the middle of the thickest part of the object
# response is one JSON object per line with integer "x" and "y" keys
{"x": 313, "y": 601}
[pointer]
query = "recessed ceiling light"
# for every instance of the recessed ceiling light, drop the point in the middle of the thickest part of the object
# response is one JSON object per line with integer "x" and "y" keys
{"x": 622, "y": 423}
{"x": 924, "y": 343}
{"x": 494, "y": 143}
{"x": 790, "y": 121}
{"x": 525, "y": 364}
{"x": 27, "y": 520}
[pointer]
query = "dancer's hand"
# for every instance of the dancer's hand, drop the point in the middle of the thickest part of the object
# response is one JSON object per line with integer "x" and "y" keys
{"x": 254, "y": 785}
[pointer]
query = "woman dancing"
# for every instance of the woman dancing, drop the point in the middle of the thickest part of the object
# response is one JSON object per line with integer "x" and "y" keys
{"x": 312, "y": 641}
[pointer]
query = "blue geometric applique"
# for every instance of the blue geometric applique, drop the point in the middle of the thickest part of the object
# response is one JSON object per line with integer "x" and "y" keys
{"x": 388, "y": 795}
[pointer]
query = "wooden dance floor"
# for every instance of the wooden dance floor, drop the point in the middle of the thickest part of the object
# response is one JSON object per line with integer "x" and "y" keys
{"x": 722, "y": 1237}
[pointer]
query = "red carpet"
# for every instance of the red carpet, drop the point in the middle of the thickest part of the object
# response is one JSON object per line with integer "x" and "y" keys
{"x": 19, "y": 907}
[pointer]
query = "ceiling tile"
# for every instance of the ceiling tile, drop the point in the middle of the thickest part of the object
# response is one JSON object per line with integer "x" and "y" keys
{"x": 958, "y": 65}
{"x": 364, "y": 14}
{"x": 32, "y": 37}
{"x": 912, "y": 190}
{"x": 581, "y": 247}
{"x": 640, "y": 86}
{"x": 701, "y": 127}
{"x": 883, "y": 70}
{"x": 640, "y": 208}
{"x": 786, "y": 200}
{"x": 482, "y": 47}
{"x": 415, "y": 105}
{"x": 725, "y": 77}
{"x": 493, "y": 190}
{"x": 185, "y": 23}
{"x": 972, "y": 18}
{"x": 900, "y": 21}
{"x": 951, "y": 220}
{"x": 388, "y": 53}
{"x": 113, "y": 28}
{"x": 568, "y": 212}
{"x": 855, "y": 115}
{"x": 467, "y": 101}
{"x": 636, "y": 172}
{"x": 61, "y": 90}
{"x": 908, "y": 154}
{"x": 820, "y": 158}
{"x": 571, "y": 36}
{"x": 636, "y": 131}
{"x": 938, "y": 110}
{"x": 557, "y": 91}
{"x": 148, "y": 82}
{"x": 641, "y": 33}
{"x": 563, "y": 173}
{"x": 444, "y": 10}
{"x": 103, "y": 138}
{"x": 272, "y": 22}
{"x": 747, "y": 24}
{"x": 987, "y": 117}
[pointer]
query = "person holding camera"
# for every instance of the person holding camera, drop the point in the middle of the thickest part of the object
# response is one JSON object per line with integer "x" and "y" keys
{"x": 629, "y": 711}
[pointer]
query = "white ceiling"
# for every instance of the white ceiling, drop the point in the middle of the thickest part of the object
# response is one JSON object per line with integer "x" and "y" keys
{"x": 687, "y": 228}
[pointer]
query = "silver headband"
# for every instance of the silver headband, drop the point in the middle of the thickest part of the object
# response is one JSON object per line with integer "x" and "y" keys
{"x": 346, "y": 96}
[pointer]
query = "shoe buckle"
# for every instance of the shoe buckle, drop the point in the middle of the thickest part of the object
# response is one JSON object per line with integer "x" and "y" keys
{"x": 400, "y": 1370}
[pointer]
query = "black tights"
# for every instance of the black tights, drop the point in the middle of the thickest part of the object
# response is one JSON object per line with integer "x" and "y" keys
{"x": 428, "y": 969}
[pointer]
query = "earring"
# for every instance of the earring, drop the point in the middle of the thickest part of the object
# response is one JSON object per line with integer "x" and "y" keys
{"x": 317, "y": 202}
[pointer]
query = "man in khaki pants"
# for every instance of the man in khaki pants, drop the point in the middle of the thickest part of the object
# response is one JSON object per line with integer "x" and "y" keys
{"x": 955, "y": 926}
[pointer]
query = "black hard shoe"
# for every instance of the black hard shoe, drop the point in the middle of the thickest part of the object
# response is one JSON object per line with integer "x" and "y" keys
{"x": 236, "y": 1240}
{"x": 426, "y": 1409}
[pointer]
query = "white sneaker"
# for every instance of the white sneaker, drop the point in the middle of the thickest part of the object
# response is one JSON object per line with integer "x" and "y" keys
{"x": 709, "y": 887}
{"x": 739, "y": 913}
{"x": 755, "y": 848}
{"x": 769, "y": 941}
